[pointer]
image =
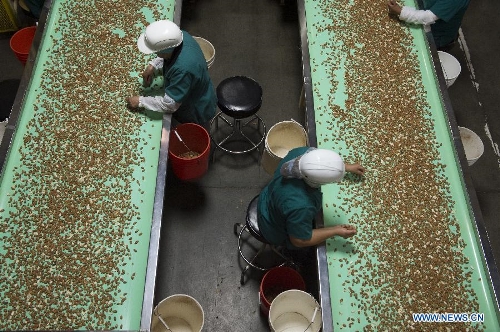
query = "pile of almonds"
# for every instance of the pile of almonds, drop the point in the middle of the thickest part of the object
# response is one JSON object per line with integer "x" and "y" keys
{"x": 371, "y": 105}
{"x": 70, "y": 224}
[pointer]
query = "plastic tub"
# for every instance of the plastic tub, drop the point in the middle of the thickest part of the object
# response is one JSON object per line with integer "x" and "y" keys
{"x": 208, "y": 50}
{"x": 451, "y": 67}
{"x": 473, "y": 145}
{"x": 276, "y": 281}
{"x": 280, "y": 139}
{"x": 295, "y": 311}
{"x": 197, "y": 140}
{"x": 180, "y": 312}
{"x": 21, "y": 41}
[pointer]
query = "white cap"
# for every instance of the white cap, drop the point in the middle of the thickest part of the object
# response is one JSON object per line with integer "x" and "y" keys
{"x": 316, "y": 167}
{"x": 159, "y": 35}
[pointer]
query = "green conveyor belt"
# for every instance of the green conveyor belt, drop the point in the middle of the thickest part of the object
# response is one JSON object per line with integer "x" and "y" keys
{"x": 372, "y": 275}
{"x": 78, "y": 185}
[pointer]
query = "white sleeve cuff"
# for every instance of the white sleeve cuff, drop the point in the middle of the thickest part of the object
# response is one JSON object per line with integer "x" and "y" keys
{"x": 157, "y": 62}
{"x": 416, "y": 16}
{"x": 163, "y": 104}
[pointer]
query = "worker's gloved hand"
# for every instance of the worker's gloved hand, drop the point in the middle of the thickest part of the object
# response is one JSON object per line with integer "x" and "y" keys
{"x": 345, "y": 231}
{"x": 355, "y": 168}
{"x": 133, "y": 103}
{"x": 148, "y": 76}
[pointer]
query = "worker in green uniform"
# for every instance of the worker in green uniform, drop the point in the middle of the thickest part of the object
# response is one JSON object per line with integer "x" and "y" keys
{"x": 288, "y": 204}
{"x": 34, "y": 6}
{"x": 443, "y": 16}
{"x": 189, "y": 92}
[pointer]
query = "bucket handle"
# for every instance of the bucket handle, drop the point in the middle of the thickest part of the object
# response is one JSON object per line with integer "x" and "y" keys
{"x": 307, "y": 138}
{"x": 162, "y": 321}
{"x": 313, "y": 317}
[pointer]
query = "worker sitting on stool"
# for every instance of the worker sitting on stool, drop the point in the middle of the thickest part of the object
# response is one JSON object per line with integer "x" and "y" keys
{"x": 288, "y": 204}
{"x": 189, "y": 92}
{"x": 34, "y": 7}
{"x": 443, "y": 16}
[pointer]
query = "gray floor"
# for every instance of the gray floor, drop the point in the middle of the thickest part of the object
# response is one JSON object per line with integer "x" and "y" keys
{"x": 198, "y": 248}
{"x": 200, "y": 251}
{"x": 476, "y": 103}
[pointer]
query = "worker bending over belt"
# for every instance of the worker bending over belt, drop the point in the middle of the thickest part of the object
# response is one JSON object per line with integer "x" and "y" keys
{"x": 288, "y": 204}
{"x": 189, "y": 92}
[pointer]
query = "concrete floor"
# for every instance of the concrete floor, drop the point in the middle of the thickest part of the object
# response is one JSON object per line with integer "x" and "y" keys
{"x": 475, "y": 101}
{"x": 258, "y": 39}
{"x": 199, "y": 255}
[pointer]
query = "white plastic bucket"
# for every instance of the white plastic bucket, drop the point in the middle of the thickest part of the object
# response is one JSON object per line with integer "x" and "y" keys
{"x": 208, "y": 50}
{"x": 280, "y": 139}
{"x": 451, "y": 67}
{"x": 3, "y": 124}
{"x": 293, "y": 311}
{"x": 473, "y": 145}
{"x": 180, "y": 312}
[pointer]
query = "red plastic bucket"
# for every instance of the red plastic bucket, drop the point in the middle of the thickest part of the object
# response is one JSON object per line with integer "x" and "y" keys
{"x": 21, "y": 41}
{"x": 197, "y": 140}
{"x": 276, "y": 281}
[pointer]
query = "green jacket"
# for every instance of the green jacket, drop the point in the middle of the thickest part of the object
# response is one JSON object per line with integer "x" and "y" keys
{"x": 187, "y": 81}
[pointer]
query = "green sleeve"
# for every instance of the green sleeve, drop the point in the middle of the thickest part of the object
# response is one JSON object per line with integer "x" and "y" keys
{"x": 178, "y": 86}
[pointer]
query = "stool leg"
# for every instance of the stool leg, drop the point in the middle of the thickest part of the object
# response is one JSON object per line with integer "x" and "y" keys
{"x": 246, "y": 124}
{"x": 235, "y": 228}
{"x": 286, "y": 260}
{"x": 215, "y": 121}
{"x": 243, "y": 272}
{"x": 236, "y": 123}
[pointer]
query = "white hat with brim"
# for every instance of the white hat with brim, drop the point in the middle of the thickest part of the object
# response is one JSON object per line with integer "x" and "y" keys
{"x": 141, "y": 44}
{"x": 158, "y": 36}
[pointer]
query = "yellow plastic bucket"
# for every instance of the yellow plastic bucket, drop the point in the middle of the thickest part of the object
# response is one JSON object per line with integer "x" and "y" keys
{"x": 295, "y": 311}
{"x": 208, "y": 50}
{"x": 179, "y": 313}
{"x": 280, "y": 139}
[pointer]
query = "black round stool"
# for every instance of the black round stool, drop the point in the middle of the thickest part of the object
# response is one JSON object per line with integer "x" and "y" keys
{"x": 252, "y": 227}
{"x": 239, "y": 98}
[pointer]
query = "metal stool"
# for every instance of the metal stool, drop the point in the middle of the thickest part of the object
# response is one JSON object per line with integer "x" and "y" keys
{"x": 251, "y": 226}
{"x": 239, "y": 98}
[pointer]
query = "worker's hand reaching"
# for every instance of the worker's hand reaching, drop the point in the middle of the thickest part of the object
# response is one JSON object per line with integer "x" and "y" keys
{"x": 345, "y": 231}
{"x": 355, "y": 168}
{"x": 394, "y": 7}
{"x": 133, "y": 103}
{"x": 148, "y": 76}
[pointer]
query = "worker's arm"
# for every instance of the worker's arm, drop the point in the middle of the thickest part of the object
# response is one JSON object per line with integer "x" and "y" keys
{"x": 151, "y": 71}
{"x": 163, "y": 103}
{"x": 319, "y": 235}
{"x": 412, "y": 15}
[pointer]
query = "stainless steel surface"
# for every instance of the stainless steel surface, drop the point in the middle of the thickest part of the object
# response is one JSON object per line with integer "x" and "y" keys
{"x": 322, "y": 264}
{"x": 463, "y": 165}
{"x": 154, "y": 241}
{"x": 310, "y": 123}
{"x": 23, "y": 85}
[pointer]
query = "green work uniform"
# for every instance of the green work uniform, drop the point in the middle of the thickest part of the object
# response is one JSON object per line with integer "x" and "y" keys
{"x": 35, "y": 6}
{"x": 187, "y": 81}
{"x": 288, "y": 207}
{"x": 450, "y": 13}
